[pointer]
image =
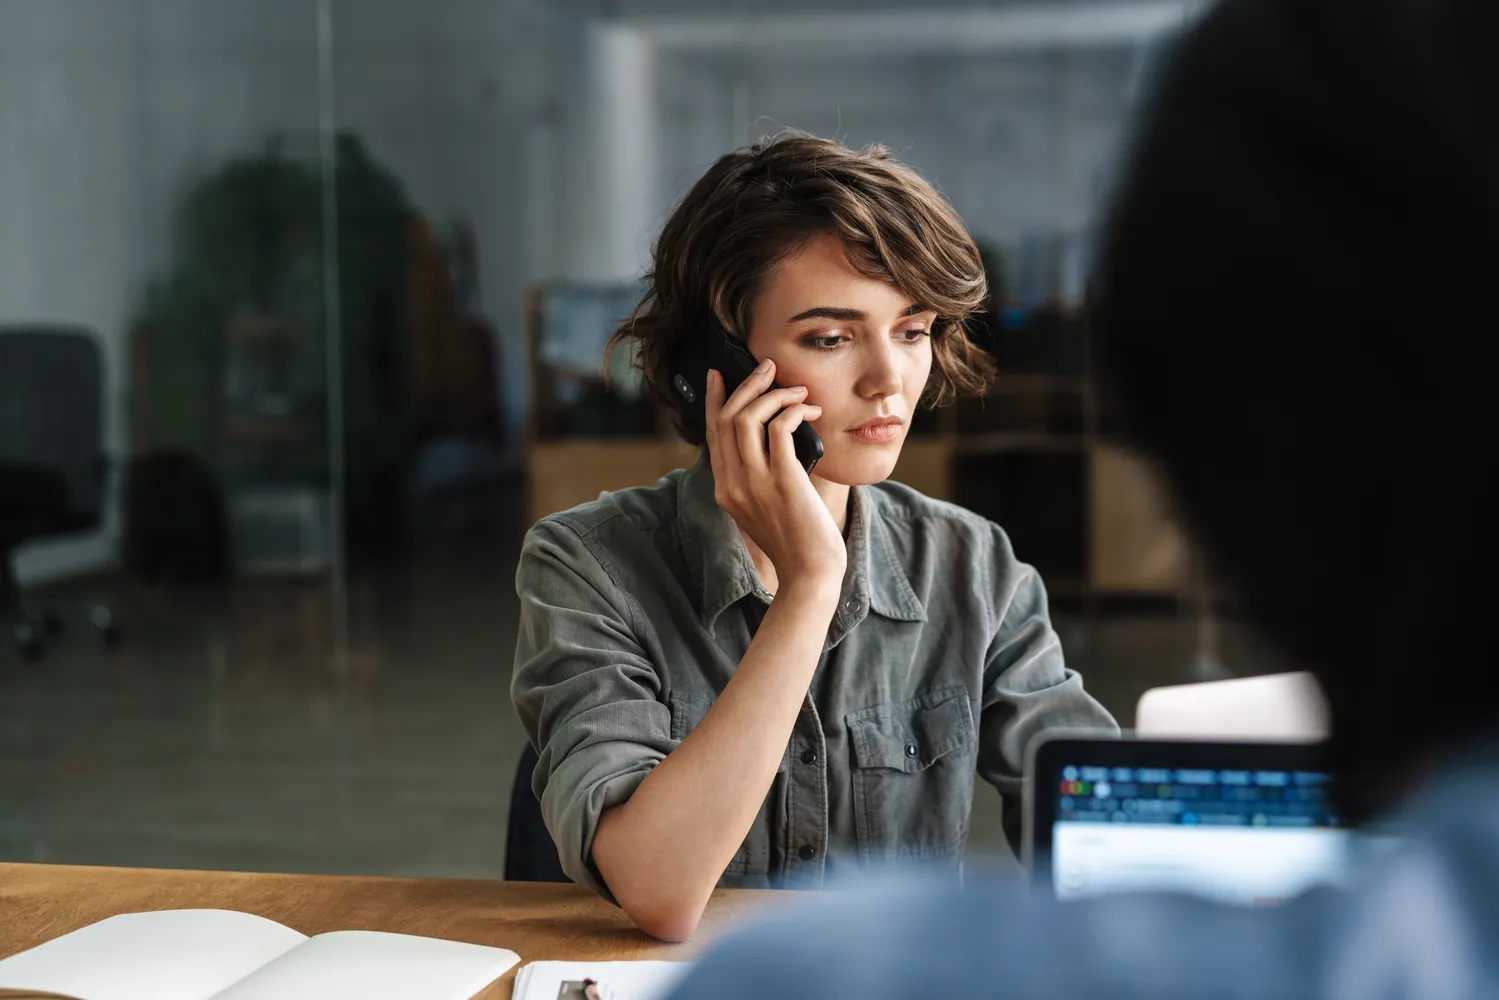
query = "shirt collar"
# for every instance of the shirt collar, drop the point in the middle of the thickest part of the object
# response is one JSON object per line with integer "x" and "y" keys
{"x": 890, "y": 591}
{"x": 715, "y": 553}
{"x": 723, "y": 572}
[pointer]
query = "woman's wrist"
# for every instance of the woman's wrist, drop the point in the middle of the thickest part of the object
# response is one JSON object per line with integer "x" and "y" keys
{"x": 812, "y": 587}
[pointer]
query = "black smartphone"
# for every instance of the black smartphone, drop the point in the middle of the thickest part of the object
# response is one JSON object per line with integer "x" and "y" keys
{"x": 710, "y": 347}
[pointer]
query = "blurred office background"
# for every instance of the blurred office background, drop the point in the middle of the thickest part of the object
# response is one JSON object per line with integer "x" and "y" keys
{"x": 301, "y": 312}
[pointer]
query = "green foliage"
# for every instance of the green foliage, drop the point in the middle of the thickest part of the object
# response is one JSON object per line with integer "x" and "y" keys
{"x": 250, "y": 242}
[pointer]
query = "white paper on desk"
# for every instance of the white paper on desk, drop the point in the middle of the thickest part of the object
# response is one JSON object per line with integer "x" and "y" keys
{"x": 370, "y": 965}
{"x": 168, "y": 955}
{"x": 225, "y": 955}
{"x": 621, "y": 980}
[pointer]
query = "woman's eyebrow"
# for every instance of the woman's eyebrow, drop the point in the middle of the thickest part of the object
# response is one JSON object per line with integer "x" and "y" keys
{"x": 848, "y": 315}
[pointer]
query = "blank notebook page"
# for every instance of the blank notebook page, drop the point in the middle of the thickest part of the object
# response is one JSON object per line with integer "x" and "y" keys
{"x": 369, "y": 965}
{"x": 169, "y": 955}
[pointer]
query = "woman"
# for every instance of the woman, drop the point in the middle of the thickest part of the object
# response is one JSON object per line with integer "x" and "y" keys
{"x": 746, "y": 675}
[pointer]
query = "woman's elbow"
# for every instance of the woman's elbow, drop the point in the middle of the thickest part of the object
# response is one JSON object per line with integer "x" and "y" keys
{"x": 659, "y": 900}
{"x": 662, "y": 911}
{"x": 667, "y": 921}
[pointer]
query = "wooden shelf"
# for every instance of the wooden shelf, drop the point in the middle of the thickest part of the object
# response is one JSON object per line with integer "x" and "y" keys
{"x": 1137, "y": 544}
{"x": 563, "y": 474}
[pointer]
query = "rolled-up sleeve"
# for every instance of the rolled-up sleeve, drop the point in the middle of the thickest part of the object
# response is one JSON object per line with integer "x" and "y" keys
{"x": 585, "y": 690}
{"x": 1027, "y": 686}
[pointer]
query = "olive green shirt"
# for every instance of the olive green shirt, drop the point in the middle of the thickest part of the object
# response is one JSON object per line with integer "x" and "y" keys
{"x": 941, "y": 660}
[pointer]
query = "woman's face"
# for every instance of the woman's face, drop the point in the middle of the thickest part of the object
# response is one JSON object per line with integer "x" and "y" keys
{"x": 861, "y": 347}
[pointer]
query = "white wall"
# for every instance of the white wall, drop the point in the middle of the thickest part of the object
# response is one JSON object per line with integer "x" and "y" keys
{"x": 72, "y": 158}
{"x": 1019, "y": 142}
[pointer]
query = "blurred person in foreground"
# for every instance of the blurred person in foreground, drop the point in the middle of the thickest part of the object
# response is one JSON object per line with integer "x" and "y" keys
{"x": 1296, "y": 312}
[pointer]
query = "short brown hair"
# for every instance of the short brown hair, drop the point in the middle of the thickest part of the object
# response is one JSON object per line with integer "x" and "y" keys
{"x": 757, "y": 206}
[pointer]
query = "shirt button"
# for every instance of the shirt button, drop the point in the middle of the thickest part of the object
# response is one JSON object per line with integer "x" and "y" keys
{"x": 809, "y": 756}
{"x": 851, "y": 605}
{"x": 912, "y": 750}
{"x": 807, "y": 852}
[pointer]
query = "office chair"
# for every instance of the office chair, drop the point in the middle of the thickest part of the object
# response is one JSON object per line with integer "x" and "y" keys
{"x": 53, "y": 470}
{"x": 530, "y": 855}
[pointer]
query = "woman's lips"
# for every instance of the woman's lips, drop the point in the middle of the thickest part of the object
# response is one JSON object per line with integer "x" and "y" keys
{"x": 881, "y": 430}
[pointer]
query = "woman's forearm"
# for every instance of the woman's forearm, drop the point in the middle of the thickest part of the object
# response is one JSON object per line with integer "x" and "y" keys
{"x": 662, "y": 851}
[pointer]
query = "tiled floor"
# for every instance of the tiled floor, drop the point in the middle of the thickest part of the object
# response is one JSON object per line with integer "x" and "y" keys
{"x": 204, "y": 742}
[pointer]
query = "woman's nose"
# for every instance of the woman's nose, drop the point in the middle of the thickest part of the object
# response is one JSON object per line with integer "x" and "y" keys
{"x": 879, "y": 373}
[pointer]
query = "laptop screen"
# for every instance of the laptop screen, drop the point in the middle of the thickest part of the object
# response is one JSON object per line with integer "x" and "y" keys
{"x": 1251, "y": 824}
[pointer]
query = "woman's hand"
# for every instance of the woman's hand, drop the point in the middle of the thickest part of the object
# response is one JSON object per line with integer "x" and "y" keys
{"x": 759, "y": 482}
{"x": 664, "y": 848}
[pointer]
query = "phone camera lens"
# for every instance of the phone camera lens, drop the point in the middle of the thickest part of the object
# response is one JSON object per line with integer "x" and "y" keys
{"x": 685, "y": 388}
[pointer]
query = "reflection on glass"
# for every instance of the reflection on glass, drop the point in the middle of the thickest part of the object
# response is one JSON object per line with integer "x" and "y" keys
{"x": 314, "y": 502}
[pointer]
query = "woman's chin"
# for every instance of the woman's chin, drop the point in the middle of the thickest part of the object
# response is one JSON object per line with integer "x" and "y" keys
{"x": 862, "y": 467}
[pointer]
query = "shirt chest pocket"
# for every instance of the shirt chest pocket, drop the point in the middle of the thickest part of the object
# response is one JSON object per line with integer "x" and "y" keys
{"x": 754, "y": 855}
{"x": 913, "y": 776}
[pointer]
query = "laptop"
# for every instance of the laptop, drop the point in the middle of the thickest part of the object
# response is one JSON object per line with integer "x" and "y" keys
{"x": 1269, "y": 707}
{"x": 1249, "y": 823}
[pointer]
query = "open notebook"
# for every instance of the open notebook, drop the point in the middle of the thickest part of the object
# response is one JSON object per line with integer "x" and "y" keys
{"x": 225, "y": 955}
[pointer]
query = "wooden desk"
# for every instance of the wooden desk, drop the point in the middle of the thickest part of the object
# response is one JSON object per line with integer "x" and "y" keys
{"x": 536, "y": 921}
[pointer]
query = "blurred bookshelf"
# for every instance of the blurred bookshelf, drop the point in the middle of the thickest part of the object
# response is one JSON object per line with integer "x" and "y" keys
{"x": 1036, "y": 454}
{"x": 586, "y": 434}
{"x": 1040, "y": 455}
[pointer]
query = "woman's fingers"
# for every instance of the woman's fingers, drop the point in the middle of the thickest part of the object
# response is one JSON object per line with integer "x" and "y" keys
{"x": 782, "y": 448}
{"x": 751, "y": 421}
{"x": 749, "y": 434}
{"x": 761, "y": 410}
{"x": 723, "y": 451}
{"x": 750, "y": 389}
{"x": 712, "y": 401}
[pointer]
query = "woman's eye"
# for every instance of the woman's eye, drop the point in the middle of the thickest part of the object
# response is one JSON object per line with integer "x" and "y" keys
{"x": 826, "y": 342}
{"x": 912, "y": 335}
